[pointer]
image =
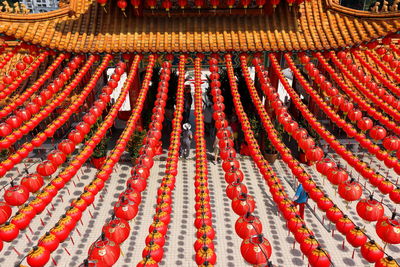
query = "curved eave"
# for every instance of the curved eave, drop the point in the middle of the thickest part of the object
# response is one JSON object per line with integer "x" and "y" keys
{"x": 316, "y": 26}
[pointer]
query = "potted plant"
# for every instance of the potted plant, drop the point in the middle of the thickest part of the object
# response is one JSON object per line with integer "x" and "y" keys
{"x": 134, "y": 144}
{"x": 100, "y": 152}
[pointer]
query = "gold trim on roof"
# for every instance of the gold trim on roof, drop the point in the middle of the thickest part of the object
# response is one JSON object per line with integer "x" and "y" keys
{"x": 314, "y": 25}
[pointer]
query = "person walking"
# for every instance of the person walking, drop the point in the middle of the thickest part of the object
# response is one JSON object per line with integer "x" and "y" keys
{"x": 301, "y": 199}
{"x": 207, "y": 114}
{"x": 186, "y": 140}
{"x": 188, "y": 104}
{"x": 216, "y": 149}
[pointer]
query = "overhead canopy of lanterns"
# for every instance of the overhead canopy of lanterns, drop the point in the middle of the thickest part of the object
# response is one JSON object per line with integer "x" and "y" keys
{"x": 346, "y": 94}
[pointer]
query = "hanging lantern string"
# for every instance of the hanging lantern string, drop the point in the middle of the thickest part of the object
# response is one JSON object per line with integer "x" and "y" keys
{"x": 353, "y": 222}
{"x": 19, "y": 264}
{"x": 327, "y": 110}
{"x": 245, "y": 70}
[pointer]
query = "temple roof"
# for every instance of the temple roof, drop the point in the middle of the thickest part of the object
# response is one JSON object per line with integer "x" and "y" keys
{"x": 314, "y": 25}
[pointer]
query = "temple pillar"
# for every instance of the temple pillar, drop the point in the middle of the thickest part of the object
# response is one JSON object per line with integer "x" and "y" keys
{"x": 133, "y": 95}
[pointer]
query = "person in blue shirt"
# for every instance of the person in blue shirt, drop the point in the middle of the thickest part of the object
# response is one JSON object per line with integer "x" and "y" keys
{"x": 301, "y": 199}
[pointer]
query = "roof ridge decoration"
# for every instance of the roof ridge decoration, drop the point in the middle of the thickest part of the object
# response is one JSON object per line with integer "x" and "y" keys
{"x": 335, "y": 6}
{"x": 84, "y": 27}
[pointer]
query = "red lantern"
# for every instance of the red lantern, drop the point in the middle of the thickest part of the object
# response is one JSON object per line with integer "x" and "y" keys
{"x": 334, "y": 214}
{"x": 256, "y": 250}
{"x": 83, "y": 127}
{"x": 319, "y": 258}
{"x": 324, "y": 165}
{"x": 370, "y": 209}
{"x": 156, "y": 237}
{"x": 8, "y": 232}
{"x": 154, "y": 251}
{"x": 33, "y": 182}
{"x": 126, "y": 209}
{"x": 337, "y": 176}
{"x": 395, "y": 195}
{"x": 344, "y": 225}
{"x": 214, "y": 3}
{"x": 388, "y": 230}
{"x": 167, "y": 4}
{"x": 308, "y": 245}
{"x": 247, "y": 226}
{"x": 364, "y": 124}
{"x": 49, "y": 242}
{"x": 38, "y": 256}
{"x": 122, "y": 4}
{"x": 56, "y": 157}
{"x": 243, "y": 204}
{"x": 14, "y": 122}
{"x": 205, "y": 255}
{"x": 355, "y": 115}
{"x": 5, "y": 212}
{"x": 325, "y": 203}
{"x": 235, "y": 189}
{"x": 46, "y": 168}
{"x": 377, "y": 133}
{"x": 315, "y": 154}
{"x": 104, "y": 251}
{"x": 391, "y": 143}
{"x": 302, "y": 233}
{"x": 350, "y": 190}
{"x": 371, "y": 251}
{"x": 386, "y": 262}
{"x": 66, "y": 146}
{"x": 356, "y": 237}
{"x": 5, "y": 129}
{"x": 117, "y": 230}
{"x": 16, "y": 195}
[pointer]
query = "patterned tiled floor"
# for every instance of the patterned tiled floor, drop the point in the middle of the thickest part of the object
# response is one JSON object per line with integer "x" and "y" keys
{"x": 181, "y": 235}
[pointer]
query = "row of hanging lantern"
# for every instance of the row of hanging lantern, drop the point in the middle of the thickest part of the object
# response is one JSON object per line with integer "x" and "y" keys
{"x": 204, "y": 245}
{"x": 25, "y": 113}
{"x": 370, "y": 90}
{"x": 354, "y": 235}
{"x": 377, "y": 180}
{"x": 306, "y": 239}
{"x": 33, "y": 182}
{"x": 388, "y": 97}
{"x": 255, "y": 248}
{"x": 9, "y": 54}
{"x": 364, "y": 123}
{"x": 337, "y": 176}
{"x": 28, "y": 147}
{"x": 393, "y": 63}
{"x": 20, "y": 195}
{"x": 199, "y": 4}
{"x": 16, "y": 76}
{"x": 42, "y": 109}
{"x": 39, "y": 255}
{"x": 6, "y": 110}
{"x": 385, "y": 95}
{"x": 117, "y": 229}
{"x": 154, "y": 250}
{"x": 37, "y": 205}
{"x": 351, "y": 191}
